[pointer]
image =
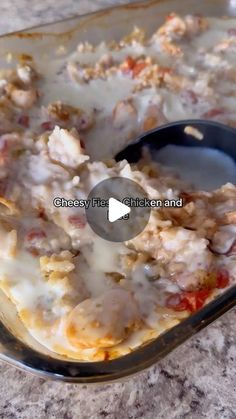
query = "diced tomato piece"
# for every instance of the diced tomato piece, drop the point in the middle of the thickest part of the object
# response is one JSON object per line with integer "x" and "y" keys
{"x": 78, "y": 221}
{"x": 188, "y": 300}
{"x": 35, "y": 233}
{"x": 213, "y": 112}
{"x": 128, "y": 64}
{"x": 23, "y": 120}
{"x": 138, "y": 68}
{"x": 47, "y": 125}
{"x": 170, "y": 17}
{"x": 176, "y": 302}
{"x": 41, "y": 213}
{"x": 222, "y": 278}
{"x": 196, "y": 299}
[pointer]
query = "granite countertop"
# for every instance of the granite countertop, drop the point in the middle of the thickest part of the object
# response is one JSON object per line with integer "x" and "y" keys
{"x": 197, "y": 380}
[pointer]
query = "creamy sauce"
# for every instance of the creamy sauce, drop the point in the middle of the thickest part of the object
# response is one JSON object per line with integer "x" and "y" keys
{"x": 119, "y": 86}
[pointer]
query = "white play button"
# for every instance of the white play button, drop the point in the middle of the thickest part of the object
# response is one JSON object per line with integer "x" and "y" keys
{"x": 111, "y": 219}
{"x": 116, "y": 210}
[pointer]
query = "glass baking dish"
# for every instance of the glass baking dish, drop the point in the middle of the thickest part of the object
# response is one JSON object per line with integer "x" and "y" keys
{"x": 17, "y": 347}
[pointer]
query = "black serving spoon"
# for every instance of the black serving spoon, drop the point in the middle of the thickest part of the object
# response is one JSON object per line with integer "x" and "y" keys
{"x": 215, "y": 135}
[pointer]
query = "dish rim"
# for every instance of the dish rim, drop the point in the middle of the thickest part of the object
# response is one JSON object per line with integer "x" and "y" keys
{"x": 17, "y": 353}
{"x": 27, "y": 358}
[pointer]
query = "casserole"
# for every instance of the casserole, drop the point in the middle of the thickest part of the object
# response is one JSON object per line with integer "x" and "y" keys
{"x": 41, "y": 39}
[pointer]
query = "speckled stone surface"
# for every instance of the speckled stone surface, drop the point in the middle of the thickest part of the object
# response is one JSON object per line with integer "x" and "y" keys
{"x": 197, "y": 380}
{"x": 19, "y": 14}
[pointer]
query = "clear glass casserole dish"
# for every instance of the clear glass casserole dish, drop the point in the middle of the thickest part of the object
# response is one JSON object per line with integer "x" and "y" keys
{"x": 16, "y": 345}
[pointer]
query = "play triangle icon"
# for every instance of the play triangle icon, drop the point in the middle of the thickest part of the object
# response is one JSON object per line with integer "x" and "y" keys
{"x": 116, "y": 210}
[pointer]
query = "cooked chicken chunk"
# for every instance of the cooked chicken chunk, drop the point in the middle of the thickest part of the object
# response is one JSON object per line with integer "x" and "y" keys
{"x": 124, "y": 114}
{"x": 65, "y": 147}
{"x": 103, "y": 321}
{"x": 27, "y": 74}
{"x": 22, "y": 98}
{"x": 67, "y": 116}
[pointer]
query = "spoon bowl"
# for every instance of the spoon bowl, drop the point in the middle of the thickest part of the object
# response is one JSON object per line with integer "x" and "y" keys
{"x": 215, "y": 135}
